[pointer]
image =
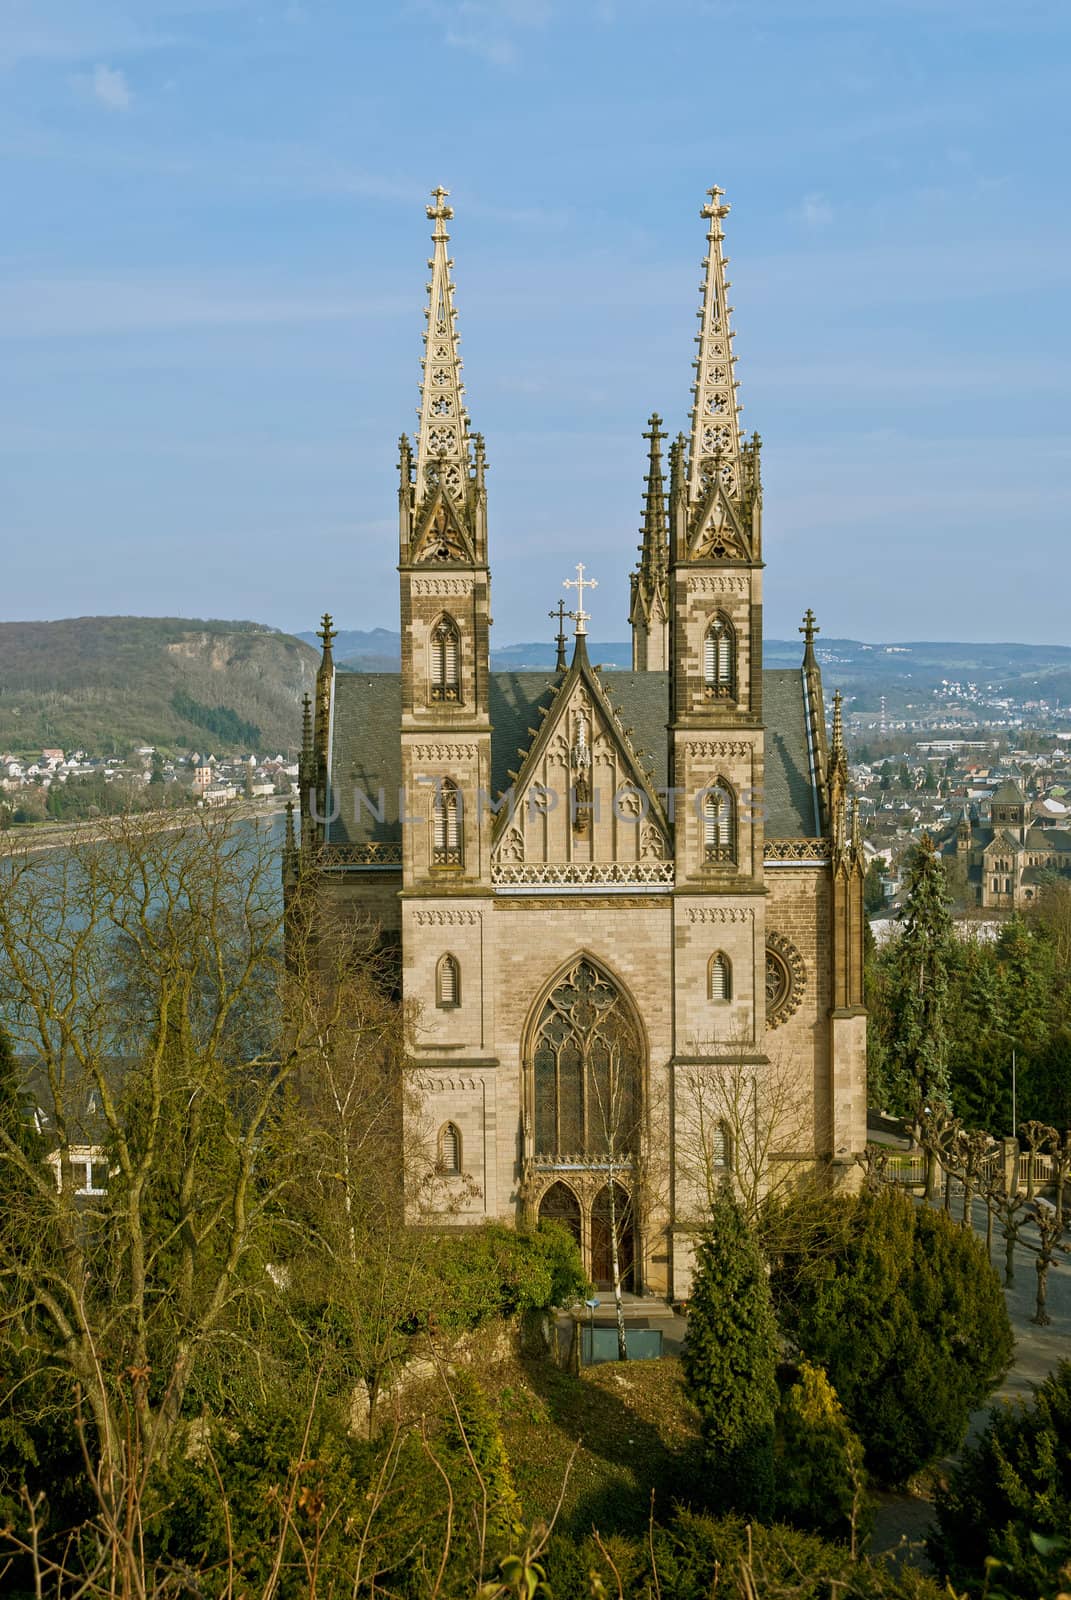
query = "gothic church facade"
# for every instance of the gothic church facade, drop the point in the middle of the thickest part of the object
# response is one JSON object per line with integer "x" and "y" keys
{"x": 627, "y": 905}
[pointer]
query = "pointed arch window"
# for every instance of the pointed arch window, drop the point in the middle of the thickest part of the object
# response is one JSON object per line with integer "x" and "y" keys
{"x": 720, "y": 977}
{"x": 719, "y": 660}
{"x": 446, "y": 845}
{"x": 446, "y": 662}
{"x": 719, "y": 823}
{"x": 587, "y": 1070}
{"x": 449, "y": 1161}
{"x": 448, "y": 983}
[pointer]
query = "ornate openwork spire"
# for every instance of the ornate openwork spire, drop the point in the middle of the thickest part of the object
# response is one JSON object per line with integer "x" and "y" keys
{"x": 715, "y": 444}
{"x": 443, "y": 453}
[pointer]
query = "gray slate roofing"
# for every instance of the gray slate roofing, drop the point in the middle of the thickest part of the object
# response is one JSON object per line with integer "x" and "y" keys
{"x": 366, "y": 748}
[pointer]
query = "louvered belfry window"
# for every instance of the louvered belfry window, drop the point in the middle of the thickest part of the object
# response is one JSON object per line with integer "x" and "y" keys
{"x": 720, "y": 977}
{"x": 722, "y": 1151}
{"x": 446, "y": 849}
{"x": 719, "y": 660}
{"x": 450, "y": 1148}
{"x": 448, "y": 983}
{"x": 446, "y": 662}
{"x": 719, "y": 824}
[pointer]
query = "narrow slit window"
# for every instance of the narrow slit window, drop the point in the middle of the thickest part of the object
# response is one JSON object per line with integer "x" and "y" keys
{"x": 448, "y": 984}
{"x": 446, "y": 825}
{"x": 446, "y": 662}
{"x": 450, "y": 1148}
{"x": 720, "y": 977}
{"x": 719, "y": 824}
{"x": 719, "y": 660}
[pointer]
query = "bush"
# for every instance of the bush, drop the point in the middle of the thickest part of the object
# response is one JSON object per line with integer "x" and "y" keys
{"x": 1009, "y": 1496}
{"x": 906, "y": 1315}
{"x": 482, "y": 1273}
{"x": 730, "y": 1360}
{"x": 819, "y": 1460}
{"x": 697, "y": 1556}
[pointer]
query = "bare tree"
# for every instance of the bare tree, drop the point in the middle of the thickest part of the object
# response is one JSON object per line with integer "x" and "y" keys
{"x": 753, "y": 1122}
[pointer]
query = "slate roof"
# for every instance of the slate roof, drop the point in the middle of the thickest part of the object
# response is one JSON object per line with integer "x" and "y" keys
{"x": 366, "y": 748}
{"x": 1009, "y": 794}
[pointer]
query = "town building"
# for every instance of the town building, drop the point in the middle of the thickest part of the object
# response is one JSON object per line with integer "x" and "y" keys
{"x": 1007, "y": 849}
{"x": 611, "y": 894}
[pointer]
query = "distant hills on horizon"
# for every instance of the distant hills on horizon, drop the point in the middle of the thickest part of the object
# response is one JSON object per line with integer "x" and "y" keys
{"x": 861, "y": 670}
{"x": 109, "y": 684}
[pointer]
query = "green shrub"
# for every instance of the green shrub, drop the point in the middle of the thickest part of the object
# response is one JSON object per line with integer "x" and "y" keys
{"x": 697, "y": 1556}
{"x": 1009, "y": 1497}
{"x": 819, "y": 1460}
{"x": 479, "y": 1274}
{"x": 730, "y": 1360}
{"x": 906, "y": 1315}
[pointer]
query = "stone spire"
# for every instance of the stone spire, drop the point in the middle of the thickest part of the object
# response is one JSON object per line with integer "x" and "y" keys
{"x": 649, "y": 608}
{"x": 443, "y": 452}
{"x": 715, "y": 449}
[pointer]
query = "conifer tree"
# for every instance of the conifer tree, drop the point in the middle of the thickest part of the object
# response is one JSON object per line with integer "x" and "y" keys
{"x": 919, "y": 989}
{"x": 730, "y": 1360}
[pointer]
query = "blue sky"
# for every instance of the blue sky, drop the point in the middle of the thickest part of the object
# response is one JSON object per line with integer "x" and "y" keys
{"x": 213, "y": 267}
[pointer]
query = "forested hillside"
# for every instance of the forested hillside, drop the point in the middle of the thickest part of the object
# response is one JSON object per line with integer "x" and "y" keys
{"x": 107, "y": 684}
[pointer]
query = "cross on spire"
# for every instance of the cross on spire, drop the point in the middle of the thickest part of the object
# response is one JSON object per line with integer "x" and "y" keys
{"x": 327, "y": 633}
{"x": 439, "y": 212}
{"x": 810, "y": 627}
{"x": 580, "y": 583}
{"x": 561, "y": 614}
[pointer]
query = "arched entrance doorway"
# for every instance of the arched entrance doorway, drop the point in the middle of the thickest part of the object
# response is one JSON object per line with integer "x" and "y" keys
{"x": 604, "y": 1217}
{"x": 561, "y": 1205}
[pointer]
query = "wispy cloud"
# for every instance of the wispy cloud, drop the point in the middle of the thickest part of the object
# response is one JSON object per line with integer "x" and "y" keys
{"x": 110, "y": 87}
{"x": 80, "y": 307}
{"x": 815, "y": 211}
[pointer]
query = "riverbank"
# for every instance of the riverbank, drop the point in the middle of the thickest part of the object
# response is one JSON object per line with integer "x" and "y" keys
{"x": 31, "y": 838}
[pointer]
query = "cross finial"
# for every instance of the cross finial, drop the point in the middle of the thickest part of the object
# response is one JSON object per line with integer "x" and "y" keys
{"x": 713, "y": 209}
{"x": 561, "y": 614}
{"x": 580, "y": 583}
{"x": 439, "y": 212}
{"x": 810, "y": 627}
{"x": 327, "y": 633}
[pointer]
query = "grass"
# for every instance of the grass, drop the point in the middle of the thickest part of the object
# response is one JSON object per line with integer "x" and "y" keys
{"x": 633, "y": 1429}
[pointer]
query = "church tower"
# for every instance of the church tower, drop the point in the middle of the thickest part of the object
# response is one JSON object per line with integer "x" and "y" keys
{"x": 716, "y": 729}
{"x": 445, "y": 609}
{"x": 649, "y": 610}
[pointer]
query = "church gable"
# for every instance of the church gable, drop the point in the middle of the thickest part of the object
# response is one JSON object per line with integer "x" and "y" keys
{"x": 441, "y": 536}
{"x": 581, "y": 795}
{"x": 717, "y": 533}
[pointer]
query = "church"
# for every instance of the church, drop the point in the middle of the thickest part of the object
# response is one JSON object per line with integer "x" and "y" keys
{"x": 627, "y": 906}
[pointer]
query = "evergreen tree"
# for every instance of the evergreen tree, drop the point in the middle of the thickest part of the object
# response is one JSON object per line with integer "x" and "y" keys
{"x": 905, "y": 1313}
{"x": 923, "y": 959}
{"x": 730, "y": 1360}
{"x": 1009, "y": 1498}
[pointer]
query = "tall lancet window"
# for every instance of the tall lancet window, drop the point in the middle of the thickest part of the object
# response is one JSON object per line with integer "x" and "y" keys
{"x": 446, "y": 661}
{"x": 719, "y": 660}
{"x": 446, "y": 845}
{"x": 719, "y": 823}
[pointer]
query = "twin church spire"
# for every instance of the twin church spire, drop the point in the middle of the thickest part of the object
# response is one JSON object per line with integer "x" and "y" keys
{"x": 443, "y": 446}
{"x": 714, "y": 471}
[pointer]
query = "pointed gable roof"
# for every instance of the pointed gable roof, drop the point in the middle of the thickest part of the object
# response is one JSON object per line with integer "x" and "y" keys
{"x": 581, "y": 672}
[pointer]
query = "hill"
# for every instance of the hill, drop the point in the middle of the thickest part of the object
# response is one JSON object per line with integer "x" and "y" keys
{"x": 862, "y": 671}
{"x": 108, "y": 684}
